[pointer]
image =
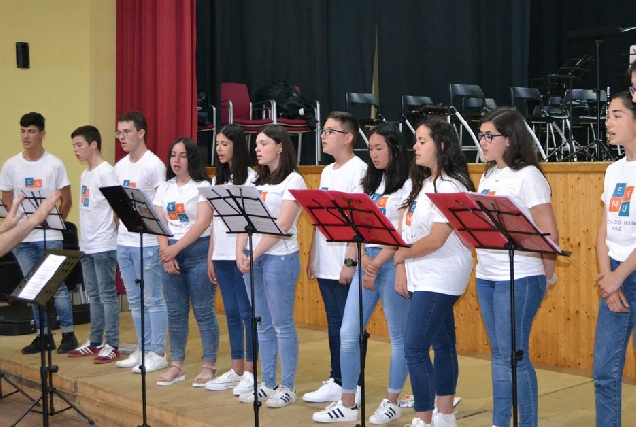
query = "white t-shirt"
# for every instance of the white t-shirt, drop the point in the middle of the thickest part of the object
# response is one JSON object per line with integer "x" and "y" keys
{"x": 39, "y": 178}
{"x": 389, "y": 204}
{"x": 528, "y": 188}
{"x": 146, "y": 174}
{"x": 273, "y": 196}
{"x": 180, "y": 205}
{"x": 98, "y": 232}
{"x": 620, "y": 179}
{"x": 447, "y": 270}
{"x": 329, "y": 256}
{"x": 224, "y": 243}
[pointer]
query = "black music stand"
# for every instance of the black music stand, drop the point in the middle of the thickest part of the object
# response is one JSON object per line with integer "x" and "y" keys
{"x": 242, "y": 211}
{"x": 496, "y": 222}
{"x": 38, "y": 287}
{"x": 3, "y": 214}
{"x": 352, "y": 218}
{"x": 137, "y": 212}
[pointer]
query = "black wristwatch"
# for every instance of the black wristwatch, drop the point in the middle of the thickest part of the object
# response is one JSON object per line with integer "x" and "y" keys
{"x": 348, "y": 262}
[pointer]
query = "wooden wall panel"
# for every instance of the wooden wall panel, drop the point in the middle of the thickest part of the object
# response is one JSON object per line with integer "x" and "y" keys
{"x": 563, "y": 331}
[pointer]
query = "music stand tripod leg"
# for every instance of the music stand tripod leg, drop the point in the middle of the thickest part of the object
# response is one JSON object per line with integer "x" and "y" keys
{"x": 254, "y": 322}
{"x": 516, "y": 355}
{"x": 364, "y": 336}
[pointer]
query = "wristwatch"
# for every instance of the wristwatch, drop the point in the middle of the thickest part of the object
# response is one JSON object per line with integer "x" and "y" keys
{"x": 350, "y": 262}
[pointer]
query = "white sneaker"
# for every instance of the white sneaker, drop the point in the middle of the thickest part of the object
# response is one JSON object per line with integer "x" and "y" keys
{"x": 133, "y": 360}
{"x": 282, "y": 397}
{"x": 329, "y": 391}
{"x": 263, "y": 392}
{"x": 385, "y": 413}
{"x": 444, "y": 420}
{"x": 336, "y": 413}
{"x": 153, "y": 362}
{"x": 417, "y": 422}
{"x": 246, "y": 385}
{"x": 228, "y": 380}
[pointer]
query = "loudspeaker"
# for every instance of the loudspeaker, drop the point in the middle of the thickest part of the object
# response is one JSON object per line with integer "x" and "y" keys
{"x": 22, "y": 54}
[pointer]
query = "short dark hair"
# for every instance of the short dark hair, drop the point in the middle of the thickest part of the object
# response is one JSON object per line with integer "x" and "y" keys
{"x": 632, "y": 68}
{"x": 195, "y": 165}
{"x": 32, "y": 119}
{"x": 348, "y": 121}
{"x": 138, "y": 119}
{"x": 90, "y": 134}
{"x": 287, "y": 162}
{"x": 241, "y": 160}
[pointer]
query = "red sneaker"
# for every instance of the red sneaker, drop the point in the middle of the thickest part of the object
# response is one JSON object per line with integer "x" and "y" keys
{"x": 106, "y": 355}
{"x": 85, "y": 349}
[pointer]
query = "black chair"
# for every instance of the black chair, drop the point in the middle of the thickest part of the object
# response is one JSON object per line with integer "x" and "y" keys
{"x": 469, "y": 101}
{"x": 529, "y": 102}
{"x": 366, "y": 108}
{"x": 412, "y": 109}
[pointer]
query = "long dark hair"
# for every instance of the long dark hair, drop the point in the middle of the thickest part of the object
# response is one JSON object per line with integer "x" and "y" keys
{"x": 287, "y": 163}
{"x": 626, "y": 97}
{"x": 450, "y": 159}
{"x": 522, "y": 151}
{"x": 241, "y": 160}
{"x": 195, "y": 166}
{"x": 396, "y": 172}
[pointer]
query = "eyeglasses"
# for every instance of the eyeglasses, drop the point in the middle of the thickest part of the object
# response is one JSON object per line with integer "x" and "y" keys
{"x": 487, "y": 136}
{"x": 126, "y": 132}
{"x": 632, "y": 90}
{"x": 329, "y": 132}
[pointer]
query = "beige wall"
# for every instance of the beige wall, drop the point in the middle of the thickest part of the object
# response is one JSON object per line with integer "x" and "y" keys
{"x": 72, "y": 76}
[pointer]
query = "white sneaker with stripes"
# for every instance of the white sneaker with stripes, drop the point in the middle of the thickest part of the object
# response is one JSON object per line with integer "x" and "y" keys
{"x": 336, "y": 413}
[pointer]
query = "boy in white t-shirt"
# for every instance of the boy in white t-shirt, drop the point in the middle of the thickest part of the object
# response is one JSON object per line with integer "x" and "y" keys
{"x": 144, "y": 170}
{"x": 327, "y": 260}
{"x": 36, "y": 172}
{"x": 98, "y": 241}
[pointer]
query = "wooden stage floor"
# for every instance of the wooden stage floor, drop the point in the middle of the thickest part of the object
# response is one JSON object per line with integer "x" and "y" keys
{"x": 112, "y": 396}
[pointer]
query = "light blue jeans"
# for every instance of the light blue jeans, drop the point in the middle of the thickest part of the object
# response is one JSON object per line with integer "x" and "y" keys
{"x": 238, "y": 310}
{"x": 494, "y": 303}
{"x": 610, "y": 343}
{"x": 275, "y": 279}
{"x": 191, "y": 286}
{"x": 396, "y": 310}
{"x": 99, "y": 280}
{"x": 27, "y": 254}
{"x": 155, "y": 312}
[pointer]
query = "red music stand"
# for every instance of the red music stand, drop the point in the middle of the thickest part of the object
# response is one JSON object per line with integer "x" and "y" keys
{"x": 496, "y": 222}
{"x": 354, "y": 218}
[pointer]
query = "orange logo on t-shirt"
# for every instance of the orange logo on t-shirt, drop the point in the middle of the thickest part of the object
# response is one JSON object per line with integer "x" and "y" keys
{"x": 263, "y": 195}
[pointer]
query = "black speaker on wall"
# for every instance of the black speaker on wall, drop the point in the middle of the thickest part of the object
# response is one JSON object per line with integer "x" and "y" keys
{"x": 22, "y": 54}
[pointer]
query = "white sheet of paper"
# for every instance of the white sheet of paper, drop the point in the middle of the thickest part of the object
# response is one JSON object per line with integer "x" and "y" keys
{"x": 44, "y": 273}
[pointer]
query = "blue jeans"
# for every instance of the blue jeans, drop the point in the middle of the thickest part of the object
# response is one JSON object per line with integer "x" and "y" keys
{"x": 612, "y": 334}
{"x": 274, "y": 295}
{"x": 494, "y": 303}
{"x": 27, "y": 254}
{"x": 396, "y": 310}
{"x": 238, "y": 310}
{"x": 99, "y": 280}
{"x": 191, "y": 285}
{"x": 334, "y": 295}
{"x": 431, "y": 323}
{"x": 155, "y": 312}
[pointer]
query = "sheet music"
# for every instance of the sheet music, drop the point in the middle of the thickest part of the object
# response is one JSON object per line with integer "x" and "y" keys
{"x": 43, "y": 274}
{"x": 32, "y": 202}
{"x": 225, "y": 201}
{"x": 146, "y": 209}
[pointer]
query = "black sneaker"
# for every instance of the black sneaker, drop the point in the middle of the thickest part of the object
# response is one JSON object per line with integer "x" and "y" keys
{"x": 35, "y": 345}
{"x": 69, "y": 342}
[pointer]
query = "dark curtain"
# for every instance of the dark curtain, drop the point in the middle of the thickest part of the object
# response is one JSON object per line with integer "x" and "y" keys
{"x": 156, "y": 65}
{"x": 551, "y": 48}
{"x": 325, "y": 48}
{"x": 425, "y": 46}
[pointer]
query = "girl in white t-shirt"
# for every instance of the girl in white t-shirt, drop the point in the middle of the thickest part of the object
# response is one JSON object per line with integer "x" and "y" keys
{"x": 513, "y": 171}
{"x": 434, "y": 272}
{"x": 616, "y": 253}
{"x": 276, "y": 266}
{"x": 386, "y": 182}
{"x": 233, "y": 167}
{"x": 183, "y": 255}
